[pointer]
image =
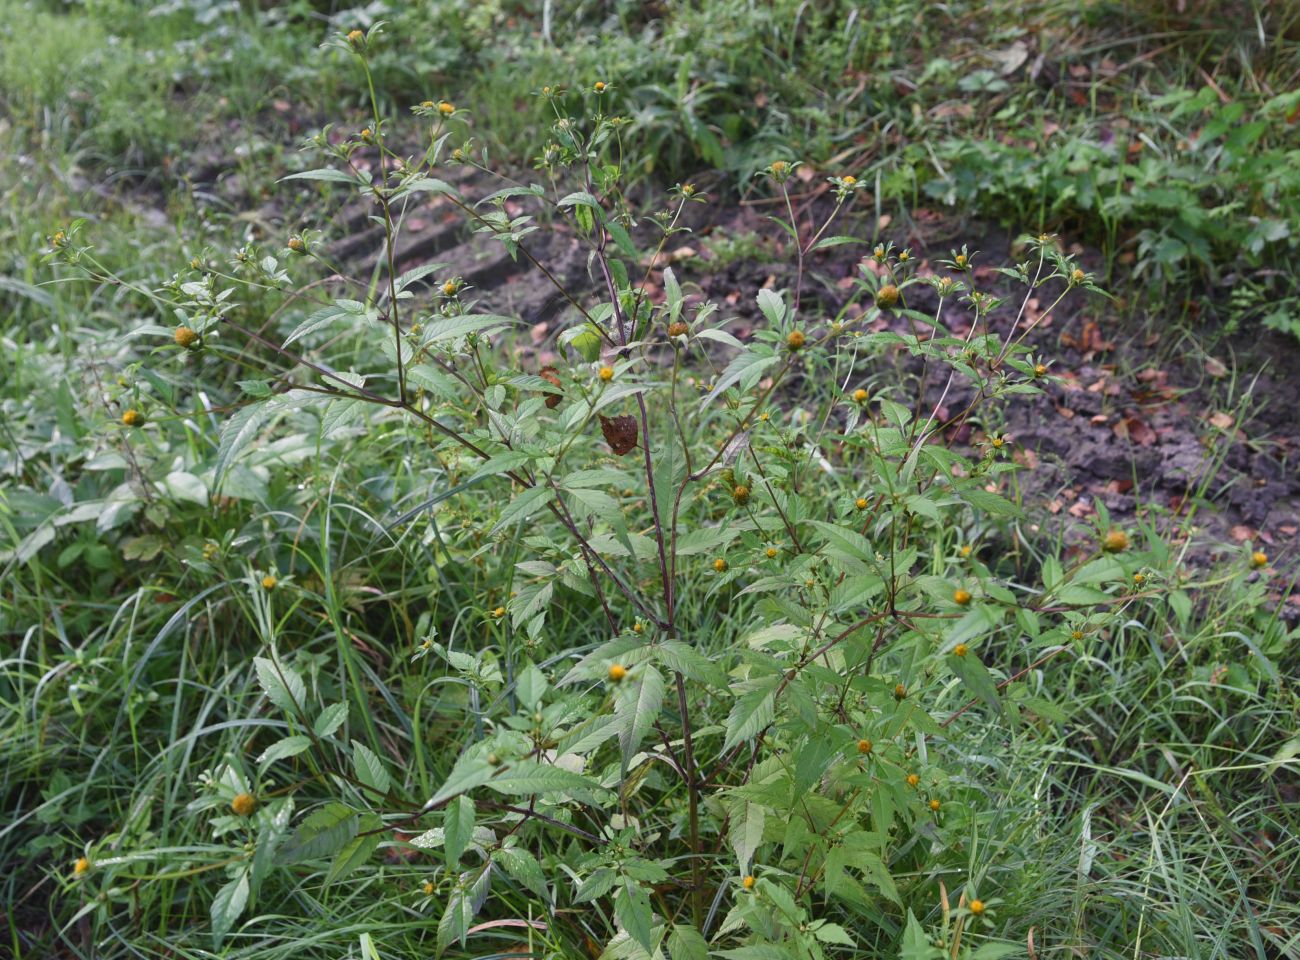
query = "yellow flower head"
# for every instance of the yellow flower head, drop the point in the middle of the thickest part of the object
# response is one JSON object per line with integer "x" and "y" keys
{"x": 607, "y": 374}
{"x": 243, "y": 804}
{"x": 269, "y": 582}
{"x": 617, "y": 672}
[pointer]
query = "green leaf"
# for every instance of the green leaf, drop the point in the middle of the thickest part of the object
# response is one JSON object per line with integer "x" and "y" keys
{"x": 237, "y": 433}
{"x": 324, "y": 173}
{"x": 454, "y": 328}
{"x": 227, "y": 905}
{"x": 744, "y": 369}
{"x": 750, "y": 714}
{"x": 632, "y": 911}
{"x": 637, "y": 704}
{"x": 529, "y": 778}
{"x": 746, "y": 831}
{"x": 471, "y": 770}
{"x": 457, "y": 829}
{"x": 773, "y": 307}
{"x": 330, "y": 719}
{"x": 990, "y": 503}
{"x": 288, "y": 747}
{"x": 522, "y": 867}
{"x": 356, "y": 851}
{"x": 825, "y": 242}
{"x": 370, "y": 769}
{"x": 282, "y": 685}
{"x": 691, "y": 664}
{"x": 322, "y": 834}
{"x": 686, "y": 943}
{"x": 530, "y": 502}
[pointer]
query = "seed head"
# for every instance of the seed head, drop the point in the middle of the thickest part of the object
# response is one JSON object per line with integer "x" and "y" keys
{"x": 185, "y": 337}
{"x": 1115, "y": 541}
{"x": 132, "y": 418}
{"x": 887, "y": 296}
{"x": 720, "y": 565}
{"x": 1259, "y": 559}
{"x": 243, "y": 804}
{"x": 617, "y": 672}
{"x": 961, "y": 596}
{"x": 740, "y": 494}
{"x": 269, "y": 582}
{"x": 297, "y": 245}
{"x": 865, "y": 747}
{"x": 795, "y": 340}
{"x": 607, "y": 374}
{"x": 678, "y": 329}
{"x": 960, "y": 650}
{"x": 900, "y": 692}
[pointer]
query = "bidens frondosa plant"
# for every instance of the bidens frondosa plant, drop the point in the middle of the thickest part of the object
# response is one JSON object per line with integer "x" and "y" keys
{"x": 756, "y": 750}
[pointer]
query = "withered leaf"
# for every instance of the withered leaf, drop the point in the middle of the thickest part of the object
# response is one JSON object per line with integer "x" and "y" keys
{"x": 620, "y": 433}
{"x": 550, "y": 375}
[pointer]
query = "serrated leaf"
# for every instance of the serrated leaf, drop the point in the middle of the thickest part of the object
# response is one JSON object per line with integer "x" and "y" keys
{"x": 745, "y": 369}
{"x": 529, "y": 778}
{"x": 237, "y": 433}
{"x": 356, "y": 851}
{"x": 282, "y": 749}
{"x": 282, "y": 685}
{"x": 531, "y": 501}
{"x": 632, "y": 911}
{"x": 522, "y": 867}
{"x": 330, "y": 719}
{"x": 370, "y": 769}
{"x": 746, "y": 831}
{"x": 751, "y": 713}
{"x": 322, "y": 834}
{"x": 227, "y": 905}
{"x": 637, "y": 705}
{"x": 324, "y": 173}
{"x": 687, "y": 943}
{"x": 457, "y": 829}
